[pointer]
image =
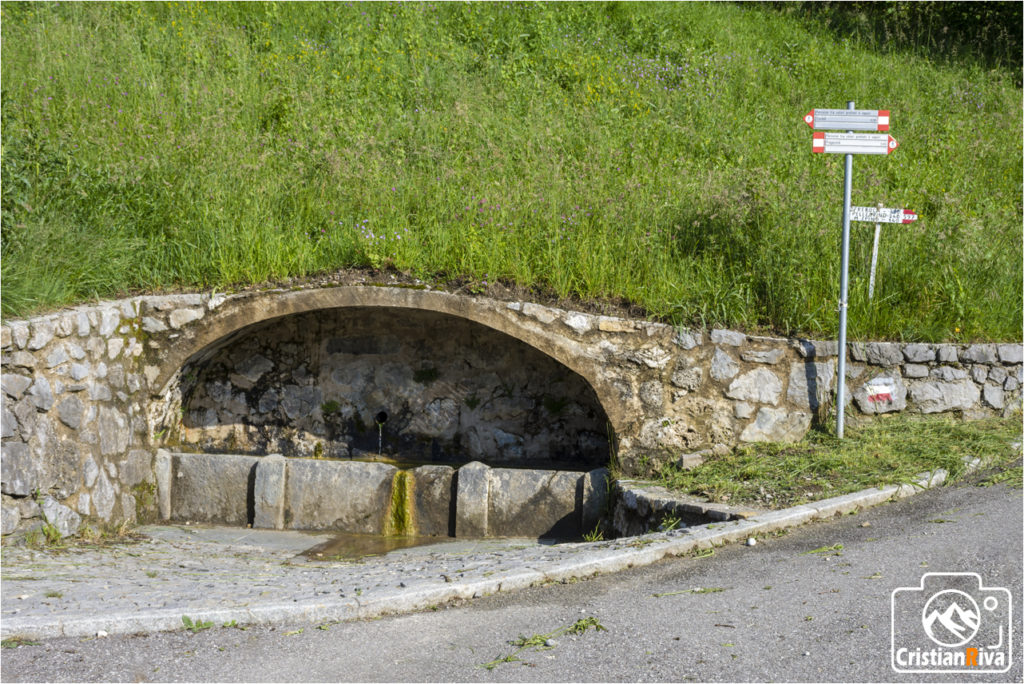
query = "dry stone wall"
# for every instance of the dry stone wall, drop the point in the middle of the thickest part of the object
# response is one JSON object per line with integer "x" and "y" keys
{"x": 90, "y": 393}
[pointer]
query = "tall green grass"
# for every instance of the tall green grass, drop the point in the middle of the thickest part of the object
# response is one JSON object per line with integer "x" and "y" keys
{"x": 648, "y": 151}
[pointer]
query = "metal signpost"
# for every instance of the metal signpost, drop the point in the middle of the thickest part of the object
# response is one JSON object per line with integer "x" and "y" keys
{"x": 879, "y": 215}
{"x": 848, "y": 144}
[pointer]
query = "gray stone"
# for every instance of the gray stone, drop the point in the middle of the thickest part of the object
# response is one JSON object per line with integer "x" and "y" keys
{"x": 19, "y": 334}
{"x": 14, "y": 385}
{"x": 348, "y": 496}
{"x": 104, "y": 496}
{"x": 777, "y": 425}
{"x": 5, "y": 337}
{"x": 254, "y": 367}
{"x": 99, "y": 391}
{"x": 135, "y": 468}
{"x": 20, "y": 472}
{"x": 114, "y": 347}
{"x": 163, "y": 467}
{"x": 687, "y": 339}
{"x": 652, "y": 395}
{"x": 1011, "y": 353}
{"x": 113, "y": 431}
{"x": 180, "y": 317}
{"x": 84, "y": 503}
{"x": 299, "y": 402}
{"x": 90, "y": 471}
{"x": 62, "y": 518}
{"x": 655, "y": 357}
{"x": 578, "y": 323}
{"x": 153, "y": 325}
{"x": 759, "y": 385}
{"x": 40, "y": 394}
{"x": 979, "y": 373}
{"x": 919, "y": 353}
{"x": 108, "y": 322}
{"x": 1010, "y": 384}
{"x": 75, "y": 350}
{"x": 743, "y": 410}
{"x": 688, "y": 379}
{"x": 9, "y": 518}
{"x": 432, "y": 500}
{"x": 997, "y": 375}
{"x": 533, "y": 503}
{"x": 915, "y": 370}
{"x": 269, "y": 492}
{"x": 57, "y": 356}
{"x": 936, "y": 397}
{"x": 84, "y": 326}
{"x": 810, "y": 383}
{"x": 728, "y": 337}
{"x": 65, "y": 325}
{"x": 214, "y": 488}
{"x": 858, "y": 351}
{"x": 948, "y": 373}
{"x": 595, "y": 498}
{"x": 993, "y": 395}
{"x": 772, "y": 356}
{"x": 268, "y": 401}
{"x": 980, "y": 353}
{"x": 128, "y": 508}
{"x": 816, "y": 349}
{"x": 79, "y": 371}
{"x": 69, "y": 410}
{"x": 42, "y": 333}
{"x": 882, "y": 394}
{"x": 20, "y": 359}
{"x": 8, "y": 423}
{"x": 884, "y": 354}
{"x": 723, "y": 367}
{"x": 473, "y": 492}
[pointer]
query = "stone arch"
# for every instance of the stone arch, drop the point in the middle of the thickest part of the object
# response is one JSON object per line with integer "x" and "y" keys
{"x": 199, "y": 341}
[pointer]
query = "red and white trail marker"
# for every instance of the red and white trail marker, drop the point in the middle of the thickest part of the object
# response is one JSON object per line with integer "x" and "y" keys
{"x": 848, "y": 119}
{"x": 882, "y": 215}
{"x": 853, "y": 143}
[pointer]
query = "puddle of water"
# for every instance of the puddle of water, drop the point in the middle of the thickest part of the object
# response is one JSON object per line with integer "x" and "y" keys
{"x": 353, "y": 546}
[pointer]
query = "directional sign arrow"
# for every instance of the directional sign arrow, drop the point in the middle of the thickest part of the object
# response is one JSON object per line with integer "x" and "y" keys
{"x": 882, "y": 215}
{"x": 848, "y": 119}
{"x": 853, "y": 143}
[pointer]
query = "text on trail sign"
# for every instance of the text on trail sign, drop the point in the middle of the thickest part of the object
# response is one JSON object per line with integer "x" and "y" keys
{"x": 848, "y": 119}
{"x": 853, "y": 143}
{"x": 882, "y": 215}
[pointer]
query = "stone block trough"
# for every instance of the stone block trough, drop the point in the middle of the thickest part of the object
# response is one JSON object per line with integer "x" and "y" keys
{"x": 475, "y": 500}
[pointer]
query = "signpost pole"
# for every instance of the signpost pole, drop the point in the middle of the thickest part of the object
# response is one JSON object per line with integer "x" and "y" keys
{"x": 843, "y": 287}
{"x": 874, "y": 257}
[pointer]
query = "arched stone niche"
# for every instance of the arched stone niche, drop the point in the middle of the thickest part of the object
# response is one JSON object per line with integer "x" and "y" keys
{"x": 398, "y": 384}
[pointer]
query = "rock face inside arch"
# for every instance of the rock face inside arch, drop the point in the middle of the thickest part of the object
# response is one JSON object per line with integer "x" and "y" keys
{"x": 417, "y": 386}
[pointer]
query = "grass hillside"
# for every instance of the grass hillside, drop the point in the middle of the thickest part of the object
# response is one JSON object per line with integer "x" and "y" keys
{"x": 650, "y": 151}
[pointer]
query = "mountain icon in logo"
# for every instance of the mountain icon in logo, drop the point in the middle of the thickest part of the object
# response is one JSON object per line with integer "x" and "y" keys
{"x": 951, "y": 618}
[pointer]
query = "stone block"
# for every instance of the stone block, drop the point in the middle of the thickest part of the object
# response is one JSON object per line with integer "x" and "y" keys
{"x": 918, "y": 353}
{"x": 471, "y": 507}
{"x": 269, "y": 492}
{"x": 759, "y": 385}
{"x": 771, "y": 357}
{"x": 541, "y": 313}
{"x": 152, "y": 324}
{"x": 19, "y": 334}
{"x": 810, "y": 383}
{"x": 109, "y": 320}
{"x": 688, "y": 379}
{"x": 980, "y": 353}
{"x": 432, "y": 495}
{"x": 777, "y": 425}
{"x": 609, "y": 324}
{"x": 162, "y": 469}
{"x": 997, "y": 375}
{"x": 65, "y": 520}
{"x": 881, "y": 394}
{"x": 723, "y": 367}
{"x": 113, "y": 430}
{"x": 534, "y": 503}
{"x": 884, "y": 353}
{"x": 40, "y": 394}
{"x": 5, "y": 337}
{"x": 42, "y": 333}
{"x": 936, "y": 397}
{"x": 1011, "y": 353}
{"x": 578, "y": 323}
{"x": 730, "y": 338}
{"x": 135, "y": 468}
{"x": 14, "y": 385}
{"x": 9, "y": 518}
{"x": 687, "y": 339}
{"x": 181, "y": 317}
{"x": 596, "y": 490}
{"x": 19, "y": 473}
{"x": 993, "y": 395}
{"x": 915, "y": 370}
{"x": 211, "y": 488}
{"x": 57, "y": 356}
{"x": 652, "y": 394}
{"x": 349, "y": 496}
{"x": 978, "y": 373}
{"x": 8, "y": 423}
{"x": 70, "y": 411}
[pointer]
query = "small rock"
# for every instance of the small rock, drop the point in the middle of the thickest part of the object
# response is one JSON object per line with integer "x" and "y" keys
{"x": 865, "y": 524}
{"x": 550, "y": 643}
{"x": 751, "y": 542}
{"x": 100, "y": 634}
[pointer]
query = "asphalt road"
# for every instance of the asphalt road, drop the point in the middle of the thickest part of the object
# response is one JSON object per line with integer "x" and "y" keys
{"x": 774, "y": 611}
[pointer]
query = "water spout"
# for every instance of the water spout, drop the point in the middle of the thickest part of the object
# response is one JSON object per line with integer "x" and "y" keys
{"x": 381, "y": 418}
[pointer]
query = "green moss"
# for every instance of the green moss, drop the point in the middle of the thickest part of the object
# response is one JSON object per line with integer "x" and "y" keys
{"x": 145, "y": 502}
{"x": 401, "y": 519}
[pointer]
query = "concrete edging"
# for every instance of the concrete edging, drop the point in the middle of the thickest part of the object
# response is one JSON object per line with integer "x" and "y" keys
{"x": 592, "y": 558}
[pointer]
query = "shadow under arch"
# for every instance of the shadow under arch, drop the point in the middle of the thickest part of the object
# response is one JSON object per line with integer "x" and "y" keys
{"x": 454, "y": 377}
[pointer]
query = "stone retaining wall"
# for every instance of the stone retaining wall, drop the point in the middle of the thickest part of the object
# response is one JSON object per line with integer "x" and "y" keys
{"x": 90, "y": 393}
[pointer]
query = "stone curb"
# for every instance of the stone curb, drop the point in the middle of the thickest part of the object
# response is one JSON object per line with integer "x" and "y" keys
{"x": 593, "y": 558}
